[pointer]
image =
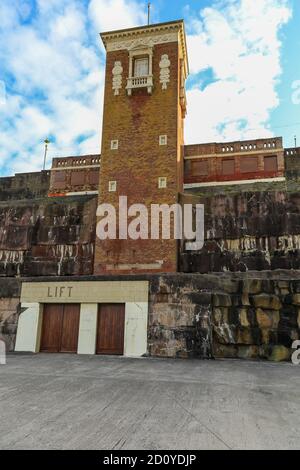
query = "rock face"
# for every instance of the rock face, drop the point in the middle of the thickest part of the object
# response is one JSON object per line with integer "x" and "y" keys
{"x": 47, "y": 237}
{"x": 247, "y": 231}
{"x": 263, "y": 324}
{"x": 42, "y": 237}
{"x": 180, "y": 318}
{"x": 9, "y": 310}
{"x": 224, "y": 316}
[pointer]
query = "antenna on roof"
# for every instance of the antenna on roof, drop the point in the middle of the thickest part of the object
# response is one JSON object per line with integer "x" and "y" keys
{"x": 46, "y": 142}
{"x": 149, "y": 10}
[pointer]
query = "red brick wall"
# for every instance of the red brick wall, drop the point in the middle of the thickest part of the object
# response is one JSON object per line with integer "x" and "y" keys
{"x": 74, "y": 174}
{"x": 136, "y": 122}
{"x": 248, "y": 164}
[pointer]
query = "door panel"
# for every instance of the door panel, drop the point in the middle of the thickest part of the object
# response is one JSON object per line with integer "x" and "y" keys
{"x": 60, "y": 328}
{"x": 111, "y": 325}
{"x": 70, "y": 328}
{"x": 51, "y": 328}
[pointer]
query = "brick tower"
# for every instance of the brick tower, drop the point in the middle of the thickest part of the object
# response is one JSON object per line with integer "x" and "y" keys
{"x": 142, "y": 139}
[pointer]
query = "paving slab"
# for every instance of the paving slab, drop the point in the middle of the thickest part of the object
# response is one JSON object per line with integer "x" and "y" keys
{"x": 57, "y": 401}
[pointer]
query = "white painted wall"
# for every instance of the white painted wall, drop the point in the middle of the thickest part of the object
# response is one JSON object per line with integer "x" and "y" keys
{"x": 87, "y": 329}
{"x": 28, "y": 333}
{"x": 136, "y": 323}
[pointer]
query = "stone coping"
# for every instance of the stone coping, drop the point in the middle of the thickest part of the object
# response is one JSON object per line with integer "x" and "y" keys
{"x": 264, "y": 275}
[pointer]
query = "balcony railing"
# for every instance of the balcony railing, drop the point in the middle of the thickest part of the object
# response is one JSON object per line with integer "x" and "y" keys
{"x": 140, "y": 82}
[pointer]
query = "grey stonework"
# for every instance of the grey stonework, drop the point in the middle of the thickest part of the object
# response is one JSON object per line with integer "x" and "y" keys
{"x": 47, "y": 237}
{"x": 24, "y": 186}
{"x": 238, "y": 315}
{"x": 9, "y": 310}
{"x": 246, "y": 231}
{"x": 224, "y": 316}
{"x": 248, "y": 307}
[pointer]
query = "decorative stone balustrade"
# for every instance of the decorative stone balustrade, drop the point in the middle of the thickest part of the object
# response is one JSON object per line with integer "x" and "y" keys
{"x": 140, "y": 82}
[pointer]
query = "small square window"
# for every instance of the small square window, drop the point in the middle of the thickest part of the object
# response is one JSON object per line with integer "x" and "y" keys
{"x": 162, "y": 183}
{"x": 163, "y": 140}
{"x": 114, "y": 144}
{"x": 112, "y": 186}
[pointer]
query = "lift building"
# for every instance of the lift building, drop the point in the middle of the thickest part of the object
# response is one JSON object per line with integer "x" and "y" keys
{"x": 63, "y": 290}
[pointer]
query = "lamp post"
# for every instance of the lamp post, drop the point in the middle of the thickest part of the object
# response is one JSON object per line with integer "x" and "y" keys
{"x": 46, "y": 142}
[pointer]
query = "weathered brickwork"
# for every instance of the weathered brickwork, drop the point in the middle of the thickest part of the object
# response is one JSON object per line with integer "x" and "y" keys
{"x": 74, "y": 175}
{"x": 236, "y": 161}
{"x": 137, "y": 121}
{"x": 292, "y": 164}
{"x": 24, "y": 186}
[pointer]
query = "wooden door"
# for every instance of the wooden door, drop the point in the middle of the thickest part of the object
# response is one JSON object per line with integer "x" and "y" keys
{"x": 51, "y": 328}
{"x": 111, "y": 325}
{"x": 70, "y": 328}
{"x": 60, "y": 328}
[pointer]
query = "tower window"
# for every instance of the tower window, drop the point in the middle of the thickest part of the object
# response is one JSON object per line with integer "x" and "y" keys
{"x": 112, "y": 186}
{"x": 162, "y": 182}
{"x": 114, "y": 144}
{"x": 141, "y": 67}
{"x": 163, "y": 140}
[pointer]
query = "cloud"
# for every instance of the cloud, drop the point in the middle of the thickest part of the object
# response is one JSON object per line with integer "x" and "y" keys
{"x": 2, "y": 93}
{"x": 108, "y": 15}
{"x": 52, "y": 76}
{"x": 237, "y": 41}
{"x": 52, "y": 72}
